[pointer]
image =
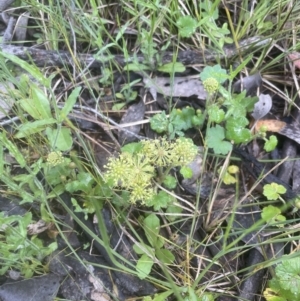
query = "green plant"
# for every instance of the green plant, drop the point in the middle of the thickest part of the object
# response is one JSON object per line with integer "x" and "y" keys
{"x": 17, "y": 251}
{"x": 151, "y": 226}
{"x": 177, "y": 122}
{"x": 286, "y": 283}
{"x": 140, "y": 165}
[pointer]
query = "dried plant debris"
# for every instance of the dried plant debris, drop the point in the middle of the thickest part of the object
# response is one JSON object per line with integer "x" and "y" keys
{"x": 289, "y": 130}
{"x": 176, "y": 87}
{"x": 262, "y": 107}
{"x": 133, "y": 114}
{"x": 4, "y": 4}
{"x": 21, "y": 28}
{"x": 249, "y": 83}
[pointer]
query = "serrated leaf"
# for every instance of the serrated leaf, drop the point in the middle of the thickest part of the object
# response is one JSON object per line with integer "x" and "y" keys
{"x": 216, "y": 72}
{"x": 175, "y": 210}
{"x": 160, "y": 200}
{"x": 288, "y": 273}
{"x": 170, "y": 182}
{"x": 159, "y": 123}
{"x": 236, "y": 131}
{"x": 144, "y": 266}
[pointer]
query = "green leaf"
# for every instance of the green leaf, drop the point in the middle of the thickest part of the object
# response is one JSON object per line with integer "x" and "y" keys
{"x": 288, "y": 273}
{"x": 139, "y": 248}
{"x": 164, "y": 256}
{"x": 69, "y": 104}
{"x": 13, "y": 149}
{"x": 159, "y": 122}
{"x": 152, "y": 227}
{"x": 60, "y": 139}
{"x": 38, "y": 106}
{"x": 215, "y": 140}
{"x": 186, "y": 172}
{"x": 118, "y": 106}
{"x": 271, "y": 144}
{"x": 272, "y": 215}
{"x": 160, "y": 200}
{"x": 36, "y": 126}
{"x": 215, "y": 113}
{"x": 172, "y": 67}
{"x": 170, "y": 182}
{"x": 236, "y": 131}
{"x": 273, "y": 191}
{"x": 84, "y": 183}
{"x": 30, "y": 68}
{"x": 136, "y": 67}
{"x": 144, "y": 266}
{"x": 216, "y": 72}
{"x": 173, "y": 211}
{"x": 162, "y": 296}
{"x": 187, "y": 26}
{"x": 132, "y": 148}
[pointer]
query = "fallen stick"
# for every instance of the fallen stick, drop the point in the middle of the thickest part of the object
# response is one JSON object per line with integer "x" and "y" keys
{"x": 47, "y": 58}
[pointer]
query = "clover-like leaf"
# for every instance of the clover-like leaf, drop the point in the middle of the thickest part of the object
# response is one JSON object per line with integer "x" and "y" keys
{"x": 273, "y": 191}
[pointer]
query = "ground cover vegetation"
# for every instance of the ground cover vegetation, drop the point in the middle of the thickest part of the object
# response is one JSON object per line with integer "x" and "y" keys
{"x": 149, "y": 150}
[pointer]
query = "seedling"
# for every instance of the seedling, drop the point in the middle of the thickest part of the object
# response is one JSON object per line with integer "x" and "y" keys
{"x": 151, "y": 226}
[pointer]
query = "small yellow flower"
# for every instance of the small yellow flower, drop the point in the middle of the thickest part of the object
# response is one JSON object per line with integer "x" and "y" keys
{"x": 55, "y": 158}
{"x": 211, "y": 85}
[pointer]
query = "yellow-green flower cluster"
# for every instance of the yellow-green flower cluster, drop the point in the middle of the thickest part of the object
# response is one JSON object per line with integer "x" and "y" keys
{"x": 55, "y": 158}
{"x": 158, "y": 151}
{"x": 211, "y": 85}
{"x": 163, "y": 153}
{"x": 133, "y": 173}
{"x": 184, "y": 152}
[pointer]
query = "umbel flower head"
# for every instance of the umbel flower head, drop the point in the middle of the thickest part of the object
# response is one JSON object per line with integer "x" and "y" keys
{"x": 55, "y": 158}
{"x": 211, "y": 85}
{"x": 135, "y": 172}
{"x": 132, "y": 172}
{"x": 184, "y": 151}
{"x": 159, "y": 151}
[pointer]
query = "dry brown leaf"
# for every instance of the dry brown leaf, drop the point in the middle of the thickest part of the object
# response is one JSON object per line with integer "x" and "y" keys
{"x": 295, "y": 58}
{"x": 271, "y": 125}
